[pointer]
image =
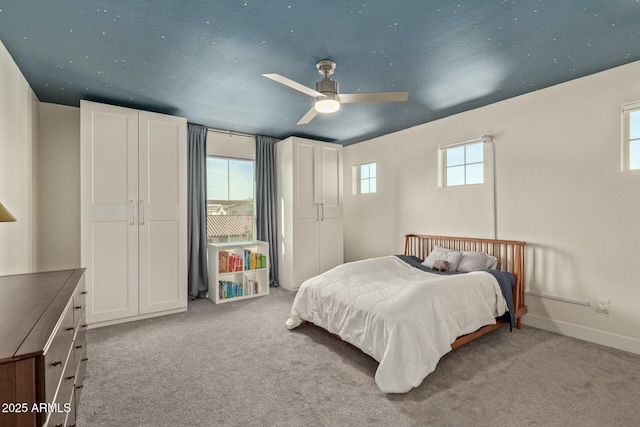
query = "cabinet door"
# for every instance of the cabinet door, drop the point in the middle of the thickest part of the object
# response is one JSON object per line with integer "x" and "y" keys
{"x": 306, "y": 212}
{"x": 109, "y": 190}
{"x": 162, "y": 213}
{"x": 328, "y": 189}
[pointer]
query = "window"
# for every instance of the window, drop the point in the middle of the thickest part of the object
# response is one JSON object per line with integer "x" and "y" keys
{"x": 230, "y": 191}
{"x": 464, "y": 164}
{"x": 366, "y": 177}
{"x": 631, "y": 136}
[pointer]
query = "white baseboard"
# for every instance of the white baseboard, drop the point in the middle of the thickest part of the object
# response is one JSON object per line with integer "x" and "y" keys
{"x": 134, "y": 318}
{"x": 621, "y": 342}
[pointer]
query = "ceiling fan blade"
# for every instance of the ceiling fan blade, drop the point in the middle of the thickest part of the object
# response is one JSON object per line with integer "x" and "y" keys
{"x": 308, "y": 117}
{"x": 352, "y": 98}
{"x": 293, "y": 85}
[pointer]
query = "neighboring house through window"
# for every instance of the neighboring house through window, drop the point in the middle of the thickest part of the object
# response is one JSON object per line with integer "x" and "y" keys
{"x": 230, "y": 189}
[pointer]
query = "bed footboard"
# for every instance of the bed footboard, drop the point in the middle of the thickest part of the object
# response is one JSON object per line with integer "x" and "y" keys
{"x": 510, "y": 255}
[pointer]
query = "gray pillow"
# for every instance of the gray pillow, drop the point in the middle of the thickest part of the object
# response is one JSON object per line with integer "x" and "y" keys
{"x": 473, "y": 261}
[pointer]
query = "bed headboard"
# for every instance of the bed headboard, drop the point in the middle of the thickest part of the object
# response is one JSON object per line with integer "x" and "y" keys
{"x": 510, "y": 254}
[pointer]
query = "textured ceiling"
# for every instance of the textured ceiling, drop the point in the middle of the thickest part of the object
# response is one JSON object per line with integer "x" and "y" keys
{"x": 203, "y": 59}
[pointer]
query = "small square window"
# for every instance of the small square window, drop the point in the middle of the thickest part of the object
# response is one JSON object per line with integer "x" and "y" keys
{"x": 464, "y": 164}
{"x": 631, "y": 136}
{"x": 365, "y": 175}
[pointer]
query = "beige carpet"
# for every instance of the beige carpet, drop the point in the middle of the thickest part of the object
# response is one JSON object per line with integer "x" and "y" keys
{"x": 236, "y": 364}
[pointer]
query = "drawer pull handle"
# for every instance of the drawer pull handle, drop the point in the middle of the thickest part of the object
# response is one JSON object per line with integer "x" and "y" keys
{"x": 69, "y": 329}
{"x": 85, "y": 359}
{"x": 71, "y": 377}
{"x": 78, "y": 347}
{"x": 78, "y": 387}
{"x": 78, "y": 307}
{"x": 58, "y": 425}
{"x": 83, "y": 293}
{"x": 84, "y": 326}
{"x": 56, "y": 363}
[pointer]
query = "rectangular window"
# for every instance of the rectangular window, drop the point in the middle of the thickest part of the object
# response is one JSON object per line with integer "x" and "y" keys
{"x": 631, "y": 136}
{"x": 464, "y": 164}
{"x": 366, "y": 176}
{"x": 230, "y": 195}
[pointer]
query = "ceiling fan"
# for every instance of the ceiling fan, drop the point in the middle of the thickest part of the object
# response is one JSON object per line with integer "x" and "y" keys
{"x": 328, "y": 99}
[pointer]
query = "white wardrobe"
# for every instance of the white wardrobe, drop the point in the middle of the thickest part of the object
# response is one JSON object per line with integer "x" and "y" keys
{"x": 133, "y": 213}
{"x": 309, "y": 209}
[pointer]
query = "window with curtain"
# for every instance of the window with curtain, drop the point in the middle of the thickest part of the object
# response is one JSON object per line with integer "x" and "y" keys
{"x": 230, "y": 200}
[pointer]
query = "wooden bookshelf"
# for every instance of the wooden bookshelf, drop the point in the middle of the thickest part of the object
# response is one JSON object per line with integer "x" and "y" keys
{"x": 238, "y": 270}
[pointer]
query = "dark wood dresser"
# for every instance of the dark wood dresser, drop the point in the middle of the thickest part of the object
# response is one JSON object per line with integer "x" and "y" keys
{"x": 43, "y": 352}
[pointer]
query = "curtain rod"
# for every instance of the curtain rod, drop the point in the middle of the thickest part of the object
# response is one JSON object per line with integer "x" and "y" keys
{"x": 230, "y": 133}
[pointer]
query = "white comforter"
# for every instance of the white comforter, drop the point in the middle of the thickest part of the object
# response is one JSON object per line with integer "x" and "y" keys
{"x": 403, "y": 317}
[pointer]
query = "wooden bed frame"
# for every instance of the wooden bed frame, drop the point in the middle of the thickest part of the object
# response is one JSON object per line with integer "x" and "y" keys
{"x": 510, "y": 254}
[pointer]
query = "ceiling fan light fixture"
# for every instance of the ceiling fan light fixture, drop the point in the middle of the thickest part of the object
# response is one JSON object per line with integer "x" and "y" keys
{"x": 327, "y": 105}
{"x": 327, "y": 98}
{"x": 330, "y": 103}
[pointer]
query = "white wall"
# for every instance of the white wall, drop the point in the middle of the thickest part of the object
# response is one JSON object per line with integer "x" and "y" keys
{"x": 58, "y": 156}
{"x": 559, "y": 187}
{"x": 18, "y": 169}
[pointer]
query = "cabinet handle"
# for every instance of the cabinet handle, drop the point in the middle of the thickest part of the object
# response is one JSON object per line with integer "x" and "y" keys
{"x": 84, "y": 360}
{"x": 83, "y": 293}
{"x": 58, "y": 425}
{"x": 78, "y": 347}
{"x": 83, "y": 326}
{"x": 141, "y": 212}
{"x": 78, "y": 387}
{"x": 56, "y": 363}
{"x": 69, "y": 329}
{"x": 77, "y": 307}
{"x": 322, "y": 206}
{"x": 131, "y": 212}
{"x": 71, "y": 377}
{"x": 317, "y": 214}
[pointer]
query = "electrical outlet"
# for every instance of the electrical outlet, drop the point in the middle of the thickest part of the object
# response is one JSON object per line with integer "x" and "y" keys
{"x": 603, "y": 305}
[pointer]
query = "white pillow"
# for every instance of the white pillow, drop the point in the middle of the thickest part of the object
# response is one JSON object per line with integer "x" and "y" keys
{"x": 443, "y": 254}
{"x": 473, "y": 261}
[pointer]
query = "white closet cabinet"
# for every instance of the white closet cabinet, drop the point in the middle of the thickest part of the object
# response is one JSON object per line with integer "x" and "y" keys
{"x": 309, "y": 209}
{"x": 133, "y": 213}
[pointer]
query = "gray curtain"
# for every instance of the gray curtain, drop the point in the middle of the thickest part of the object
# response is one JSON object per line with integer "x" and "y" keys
{"x": 266, "y": 200}
{"x": 197, "y": 211}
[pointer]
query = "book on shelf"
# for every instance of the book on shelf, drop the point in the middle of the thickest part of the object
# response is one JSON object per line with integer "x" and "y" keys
{"x": 254, "y": 260}
{"x": 229, "y": 262}
{"x": 227, "y": 289}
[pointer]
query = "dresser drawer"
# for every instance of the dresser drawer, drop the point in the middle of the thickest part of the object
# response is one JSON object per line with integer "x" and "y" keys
{"x": 57, "y": 353}
{"x": 56, "y": 419}
{"x": 80, "y": 341}
{"x": 79, "y": 301}
{"x": 80, "y": 377}
{"x": 64, "y": 409}
{"x": 71, "y": 416}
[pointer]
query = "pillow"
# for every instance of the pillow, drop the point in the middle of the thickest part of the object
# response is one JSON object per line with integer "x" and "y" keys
{"x": 473, "y": 261}
{"x": 443, "y": 254}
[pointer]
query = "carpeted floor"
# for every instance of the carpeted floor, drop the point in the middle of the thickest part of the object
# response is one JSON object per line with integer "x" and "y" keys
{"x": 236, "y": 364}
